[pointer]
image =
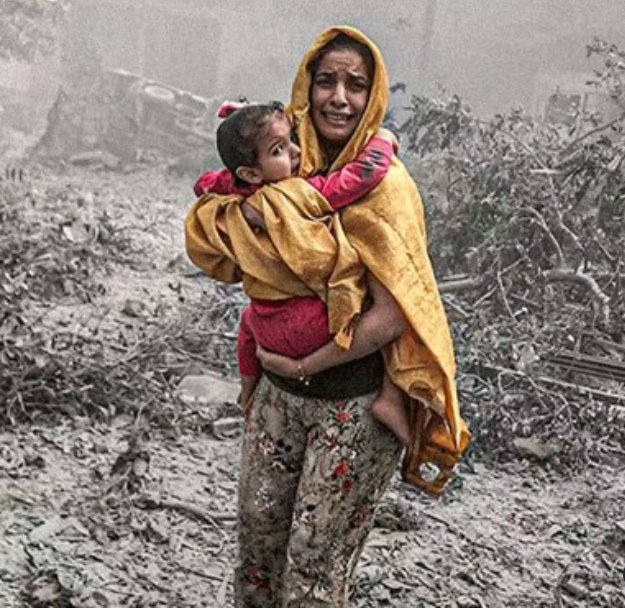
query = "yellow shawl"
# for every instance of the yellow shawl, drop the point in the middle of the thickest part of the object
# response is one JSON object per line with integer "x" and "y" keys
{"x": 299, "y": 255}
{"x": 386, "y": 230}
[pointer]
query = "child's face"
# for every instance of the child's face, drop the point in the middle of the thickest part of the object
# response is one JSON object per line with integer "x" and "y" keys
{"x": 278, "y": 156}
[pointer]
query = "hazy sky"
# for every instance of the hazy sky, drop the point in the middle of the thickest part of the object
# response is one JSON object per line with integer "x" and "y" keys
{"x": 494, "y": 53}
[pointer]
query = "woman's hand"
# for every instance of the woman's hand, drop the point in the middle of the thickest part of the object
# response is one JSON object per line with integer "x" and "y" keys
{"x": 377, "y": 327}
{"x": 279, "y": 364}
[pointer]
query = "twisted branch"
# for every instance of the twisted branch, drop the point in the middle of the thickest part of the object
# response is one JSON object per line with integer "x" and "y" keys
{"x": 571, "y": 276}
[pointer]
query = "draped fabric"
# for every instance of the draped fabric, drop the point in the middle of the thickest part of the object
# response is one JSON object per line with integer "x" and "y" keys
{"x": 299, "y": 255}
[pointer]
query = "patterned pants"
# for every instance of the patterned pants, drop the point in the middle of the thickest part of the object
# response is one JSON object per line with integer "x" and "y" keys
{"x": 312, "y": 473}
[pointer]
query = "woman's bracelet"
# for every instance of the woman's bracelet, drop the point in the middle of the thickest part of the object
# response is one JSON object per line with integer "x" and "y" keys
{"x": 302, "y": 376}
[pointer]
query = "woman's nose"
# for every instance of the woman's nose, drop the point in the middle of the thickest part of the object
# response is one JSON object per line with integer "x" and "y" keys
{"x": 339, "y": 98}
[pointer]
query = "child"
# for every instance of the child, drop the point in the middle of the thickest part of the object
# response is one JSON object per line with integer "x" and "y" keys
{"x": 254, "y": 142}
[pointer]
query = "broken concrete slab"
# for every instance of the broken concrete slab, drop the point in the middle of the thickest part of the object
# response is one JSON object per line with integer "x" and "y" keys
{"x": 208, "y": 388}
{"x": 533, "y": 447}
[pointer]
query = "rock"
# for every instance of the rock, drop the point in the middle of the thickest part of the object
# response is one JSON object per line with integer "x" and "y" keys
{"x": 227, "y": 427}
{"x": 532, "y": 447}
{"x": 110, "y": 161}
{"x": 133, "y": 308}
{"x": 207, "y": 389}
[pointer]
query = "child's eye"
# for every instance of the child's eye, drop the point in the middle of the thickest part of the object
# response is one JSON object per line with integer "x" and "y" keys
{"x": 278, "y": 150}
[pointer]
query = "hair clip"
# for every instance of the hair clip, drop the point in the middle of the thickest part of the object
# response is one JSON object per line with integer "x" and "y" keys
{"x": 229, "y": 107}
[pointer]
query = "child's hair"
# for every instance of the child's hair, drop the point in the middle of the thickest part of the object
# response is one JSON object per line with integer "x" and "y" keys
{"x": 237, "y": 135}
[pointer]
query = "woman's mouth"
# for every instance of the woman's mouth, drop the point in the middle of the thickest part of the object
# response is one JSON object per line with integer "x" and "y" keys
{"x": 337, "y": 118}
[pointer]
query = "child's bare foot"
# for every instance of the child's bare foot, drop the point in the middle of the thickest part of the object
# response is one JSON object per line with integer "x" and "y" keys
{"x": 394, "y": 415}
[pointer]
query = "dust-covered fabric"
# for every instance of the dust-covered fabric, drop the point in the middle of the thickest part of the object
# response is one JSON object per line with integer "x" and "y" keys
{"x": 313, "y": 471}
{"x": 297, "y": 256}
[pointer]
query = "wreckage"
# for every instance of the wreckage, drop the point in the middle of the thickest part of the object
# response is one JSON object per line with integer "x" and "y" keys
{"x": 120, "y": 118}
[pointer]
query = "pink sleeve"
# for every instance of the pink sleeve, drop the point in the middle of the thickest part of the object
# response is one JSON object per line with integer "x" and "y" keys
{"x": 222, "y": 182}
{"x": 218, "y": 182}
{"x": 358, "y": 178}
{"x": 249, "y": 364}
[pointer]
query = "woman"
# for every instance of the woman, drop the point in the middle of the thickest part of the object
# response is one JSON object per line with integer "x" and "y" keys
{"x": 315, "y": 463}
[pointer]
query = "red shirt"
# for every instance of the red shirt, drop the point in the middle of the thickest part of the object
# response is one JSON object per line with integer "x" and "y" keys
{"x": 298, "y": 326}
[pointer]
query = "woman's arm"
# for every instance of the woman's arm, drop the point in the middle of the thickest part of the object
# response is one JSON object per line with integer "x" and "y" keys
{"x": 383, "y": 323}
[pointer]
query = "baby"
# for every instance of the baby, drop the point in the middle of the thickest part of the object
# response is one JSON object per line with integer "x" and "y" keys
{"x": 255, "y": 144}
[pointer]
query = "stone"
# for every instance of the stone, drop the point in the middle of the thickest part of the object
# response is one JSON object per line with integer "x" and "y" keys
{"x": 206, "y": 389}
{"x": 227, "y": 427}
{"x": 532, "y": 447}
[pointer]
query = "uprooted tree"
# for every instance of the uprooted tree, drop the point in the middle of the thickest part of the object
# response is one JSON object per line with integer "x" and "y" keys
{"x": 532, "y": 217}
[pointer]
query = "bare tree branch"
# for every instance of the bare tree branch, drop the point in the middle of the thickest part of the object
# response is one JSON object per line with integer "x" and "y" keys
{"x": 539, "y": 220}
{"x": 571, "y": 276}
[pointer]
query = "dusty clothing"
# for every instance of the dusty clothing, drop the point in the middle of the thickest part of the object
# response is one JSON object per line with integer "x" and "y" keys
{"x": 280, "y": 263}
{"x": 312, "y": 468}
{"x": 293, "y": 327}
{"x": 312, "y": 473}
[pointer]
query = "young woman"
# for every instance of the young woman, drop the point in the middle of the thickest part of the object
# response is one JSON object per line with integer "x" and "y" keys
{"x": 315, "y": 461}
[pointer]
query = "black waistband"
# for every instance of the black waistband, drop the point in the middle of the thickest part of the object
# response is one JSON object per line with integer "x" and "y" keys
{"x": 345, "y": 381}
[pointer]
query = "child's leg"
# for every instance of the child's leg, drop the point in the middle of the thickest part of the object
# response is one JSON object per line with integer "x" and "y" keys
{"x": 391, "y": 409}
{"x": 248, "y": 384}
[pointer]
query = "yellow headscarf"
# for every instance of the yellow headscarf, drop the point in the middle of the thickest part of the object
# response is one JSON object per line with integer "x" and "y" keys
{"x": 313, "y": 159}
{"x": 387, "y": 229}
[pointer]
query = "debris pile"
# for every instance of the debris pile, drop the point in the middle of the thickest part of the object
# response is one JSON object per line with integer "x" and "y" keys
{"x": 58, "y": 250}
{"x": 529, "y": 220}
{"x": 113, "y": 118}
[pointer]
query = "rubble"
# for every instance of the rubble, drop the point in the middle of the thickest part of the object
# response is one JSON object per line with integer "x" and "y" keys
{"x": 115, "y": 118}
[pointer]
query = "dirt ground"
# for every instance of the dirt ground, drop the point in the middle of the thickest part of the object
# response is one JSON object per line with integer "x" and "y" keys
{"x": 99, "y": 514}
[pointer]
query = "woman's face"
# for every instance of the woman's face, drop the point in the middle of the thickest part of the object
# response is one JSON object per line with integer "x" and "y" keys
{"x": 339, "y": 95}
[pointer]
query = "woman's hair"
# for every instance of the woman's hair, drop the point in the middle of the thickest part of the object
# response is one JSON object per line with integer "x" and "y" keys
{"x": 237, "y": 135}
{"x": 343, "y": 42}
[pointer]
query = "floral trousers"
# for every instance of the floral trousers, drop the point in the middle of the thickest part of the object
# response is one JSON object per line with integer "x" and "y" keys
{"x": 313, "y": 471}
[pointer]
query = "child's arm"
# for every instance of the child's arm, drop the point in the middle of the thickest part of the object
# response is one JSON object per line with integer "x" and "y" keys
{"x": 358, "y": 178}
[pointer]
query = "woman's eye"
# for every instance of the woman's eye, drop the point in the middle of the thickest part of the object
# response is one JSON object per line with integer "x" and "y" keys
{"x": 323, "y": 83}
{"x": 359, "y": 86}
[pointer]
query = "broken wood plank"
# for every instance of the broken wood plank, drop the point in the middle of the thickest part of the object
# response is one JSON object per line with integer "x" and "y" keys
{"x": 493, "y": 371}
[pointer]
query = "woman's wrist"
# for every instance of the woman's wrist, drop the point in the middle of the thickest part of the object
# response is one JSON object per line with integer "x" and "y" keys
{"x": 303, "y": 375}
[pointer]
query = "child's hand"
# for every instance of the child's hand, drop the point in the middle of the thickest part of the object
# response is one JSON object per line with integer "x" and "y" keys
{"x": 390, "y": 137}
{"x": 253, "y": 217}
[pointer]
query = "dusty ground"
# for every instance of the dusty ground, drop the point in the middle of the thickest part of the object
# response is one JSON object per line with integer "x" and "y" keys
{"x": 89, "y": 517}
